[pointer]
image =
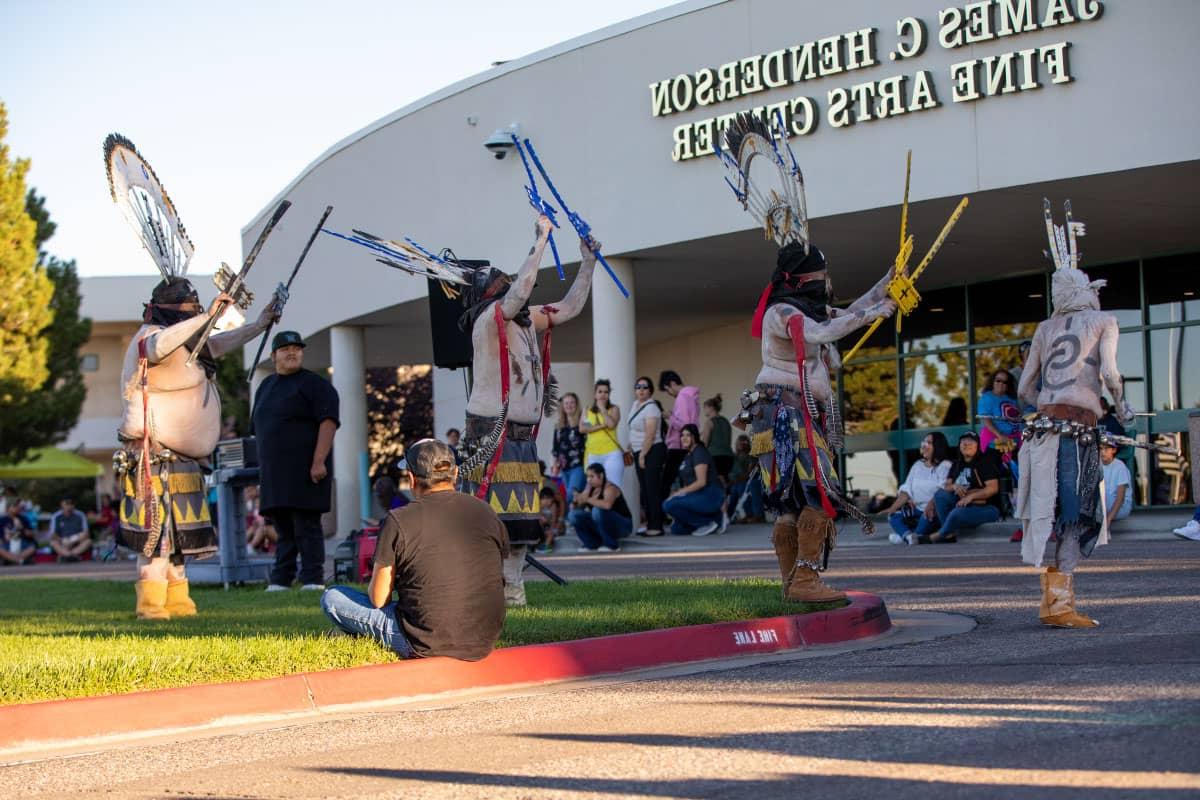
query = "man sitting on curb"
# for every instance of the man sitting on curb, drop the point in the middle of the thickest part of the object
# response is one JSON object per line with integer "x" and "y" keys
{"x": 443, "y": 555}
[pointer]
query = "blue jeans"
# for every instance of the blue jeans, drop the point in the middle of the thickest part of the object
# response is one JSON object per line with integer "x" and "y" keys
{"x": 924, "y": 526}
{"x": 351, "y": 610}
{"x": 955, "y": 519}
{"x": 574, "y": 480}
{"x": 599, "y": 526}
{"x": 695, "y": 509}
{"x": 754, "y": 503}
{"x": 1196, "y": 516}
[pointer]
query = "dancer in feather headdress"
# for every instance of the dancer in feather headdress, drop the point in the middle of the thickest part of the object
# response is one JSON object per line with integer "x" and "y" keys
{"x": 792, "y": 412}
{"x": 512, "y": 390}
{"x": 172, "y": 412}
{"x": 1073, "y": 353}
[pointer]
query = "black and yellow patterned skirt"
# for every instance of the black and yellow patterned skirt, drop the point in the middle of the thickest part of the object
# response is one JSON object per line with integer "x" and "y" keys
{"x": 513, "y": 490}
{"x": 174, "y": 520}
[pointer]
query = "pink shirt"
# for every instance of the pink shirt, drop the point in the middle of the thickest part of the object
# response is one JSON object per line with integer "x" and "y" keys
{"x": 686, "y": 411}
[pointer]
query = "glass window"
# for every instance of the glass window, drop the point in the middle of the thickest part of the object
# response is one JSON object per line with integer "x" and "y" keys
{"x": 1175, "y": 352}
{"x": 939, "y": 321}
{"x": 89, "y": 362}
{"x": 1131, "y": 362}
{"x": 936, "y": 390}
{"x": 1173, "y": 288}
{"x": 1170, "y": 481}
{"x": 869, "y": 396}
{"x": 1122, "y": 295}
{"x": 869, "y": 474}
{"x": 1009, "y": 309}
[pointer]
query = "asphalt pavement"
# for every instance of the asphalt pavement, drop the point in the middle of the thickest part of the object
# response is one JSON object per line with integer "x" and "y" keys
{"x": 1008, "y": 708}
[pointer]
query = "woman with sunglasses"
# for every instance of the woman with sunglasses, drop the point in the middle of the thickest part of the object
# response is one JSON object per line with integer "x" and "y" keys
{"x": 1000, "y": 413}
{"x": 649, "y": 452}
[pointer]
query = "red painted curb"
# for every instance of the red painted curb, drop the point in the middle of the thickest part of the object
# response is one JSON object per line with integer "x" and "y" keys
{"x": 61, "y": 721}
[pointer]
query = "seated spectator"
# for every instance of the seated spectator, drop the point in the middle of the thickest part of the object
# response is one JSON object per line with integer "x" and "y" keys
{"x": 914, "y": 514}
{"x": 17, "y": 546}
{"x": 971, "y": 494}
{"x": 745, "y": 483}
{"x": 1192, "y": 529}
{"x": 69, "y": 535}
{"x": 387, "y": 495}
{"x": 260, "y": 536}
{"x": 715, "y": 435}
{"x": 601, "y": 516}
{"x": 1001, "y": 422}
{"x": 695, "y": 506}
{"x": 1118, "y": 488}
{"x": 442, "y": 554}
{"x": 551, "y": 510}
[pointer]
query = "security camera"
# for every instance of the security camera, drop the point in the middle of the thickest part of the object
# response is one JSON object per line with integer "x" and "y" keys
{"x": 500, "y": 142}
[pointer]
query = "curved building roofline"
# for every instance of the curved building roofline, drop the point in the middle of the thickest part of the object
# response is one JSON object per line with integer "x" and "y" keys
{"x": 616, "y": 29}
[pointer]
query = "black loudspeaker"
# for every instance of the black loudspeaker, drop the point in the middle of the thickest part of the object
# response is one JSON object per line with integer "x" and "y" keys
{"x": 451, "y": 346}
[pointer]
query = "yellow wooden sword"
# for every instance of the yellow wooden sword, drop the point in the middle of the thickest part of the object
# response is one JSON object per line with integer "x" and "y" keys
{"x": 902, "y": 287}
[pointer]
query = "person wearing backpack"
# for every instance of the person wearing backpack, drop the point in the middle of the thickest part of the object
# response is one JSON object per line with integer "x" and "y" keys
{"x": 649, "y": 452}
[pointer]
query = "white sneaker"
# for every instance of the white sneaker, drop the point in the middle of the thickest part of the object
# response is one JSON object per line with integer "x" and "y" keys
{"x": 1189, "y": 531}
{"x": 724, "y": 523}
{"x": 641, "y": 530}
{"x": 706, "y": 529}
{"x": 313, "y": 587}
{"x": 603, "y": 549}
{"x": 275, "y": 587}
{"x": 895, "y": 538}
{"x": 910, "y": 539}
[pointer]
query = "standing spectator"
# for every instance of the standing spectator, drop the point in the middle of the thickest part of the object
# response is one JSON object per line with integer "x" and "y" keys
{"x": 914, "y": 514}
{"x": 649, "y": 452}
{"x": 551, "y": 509}
{"x": 716, "y": 434}
{"x": 16, "y": 544}
{"x": 69, "y": 531}
{"x": 744, "y": 481}
{"x": 601, "y": 516}
{"x": 1118, "y": 489}
{"x": 1000, "y": 413}
{"x": 696, "y": 505}
{"x": 568, "y": 445}
{"x": 600, "y": 426}
{"x": 1022, "y": 353}
{"x": 685, "y": 411}
{"x": 442, "y": 555}
{"x": 970, "y": 496}
{"x": 956, "y": 412}
{"x": 453, "y": 437}
{"x": 1192, "y": 529}
{"x": 295, "y": 416}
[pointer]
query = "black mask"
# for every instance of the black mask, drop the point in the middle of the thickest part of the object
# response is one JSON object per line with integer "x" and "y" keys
{"x": 787, "y": 286}
{"x": 162, "y": 310}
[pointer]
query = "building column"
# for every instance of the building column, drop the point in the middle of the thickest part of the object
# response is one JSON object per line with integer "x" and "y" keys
{"x": 346, "y": 355}
{"x": 614, "y": 350}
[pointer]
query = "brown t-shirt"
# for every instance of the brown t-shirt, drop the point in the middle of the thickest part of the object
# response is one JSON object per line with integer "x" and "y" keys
{"x": 447, "y": 549}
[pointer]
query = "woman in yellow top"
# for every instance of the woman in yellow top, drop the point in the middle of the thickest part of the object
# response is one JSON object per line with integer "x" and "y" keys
{"x": 600, "y": 425}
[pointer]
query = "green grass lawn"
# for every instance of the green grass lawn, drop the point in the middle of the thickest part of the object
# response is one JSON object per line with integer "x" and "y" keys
{"x": 65, "y": 638}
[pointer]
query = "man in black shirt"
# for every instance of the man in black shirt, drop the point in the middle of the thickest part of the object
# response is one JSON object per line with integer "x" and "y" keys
{"x": 295, "y": 416}
{"x": 970, "y": 497}
{"x": 443, "y": 555}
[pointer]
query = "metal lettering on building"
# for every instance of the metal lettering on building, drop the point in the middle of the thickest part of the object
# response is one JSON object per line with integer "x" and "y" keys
{"x": 1019, "y": 70}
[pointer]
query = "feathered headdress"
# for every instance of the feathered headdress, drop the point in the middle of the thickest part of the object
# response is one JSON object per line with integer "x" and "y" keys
{"x": 147, "y": 206}
{"x": 410, "y": 257}
{"x": 776, "y": 203}
{"x": 1064, "y": 249}
{"x": 1070, "y": 288}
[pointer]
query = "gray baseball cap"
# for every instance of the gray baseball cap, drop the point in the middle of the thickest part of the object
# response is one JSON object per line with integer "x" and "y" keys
{"x": 430, "y": 460}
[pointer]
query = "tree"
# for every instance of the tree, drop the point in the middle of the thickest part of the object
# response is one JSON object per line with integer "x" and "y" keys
{"x": 46, "y": 414}
{"x": 25, "y": 302}
{"x": 234, "y": 390}
{"x": 399, "y": 411}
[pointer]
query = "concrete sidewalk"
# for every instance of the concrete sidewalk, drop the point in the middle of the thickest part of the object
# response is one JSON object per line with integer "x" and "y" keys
{"x": 1141, "y": 525}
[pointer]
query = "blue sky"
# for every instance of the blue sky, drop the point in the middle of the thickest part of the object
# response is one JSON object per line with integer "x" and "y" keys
{"x": 230, "y": 100}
